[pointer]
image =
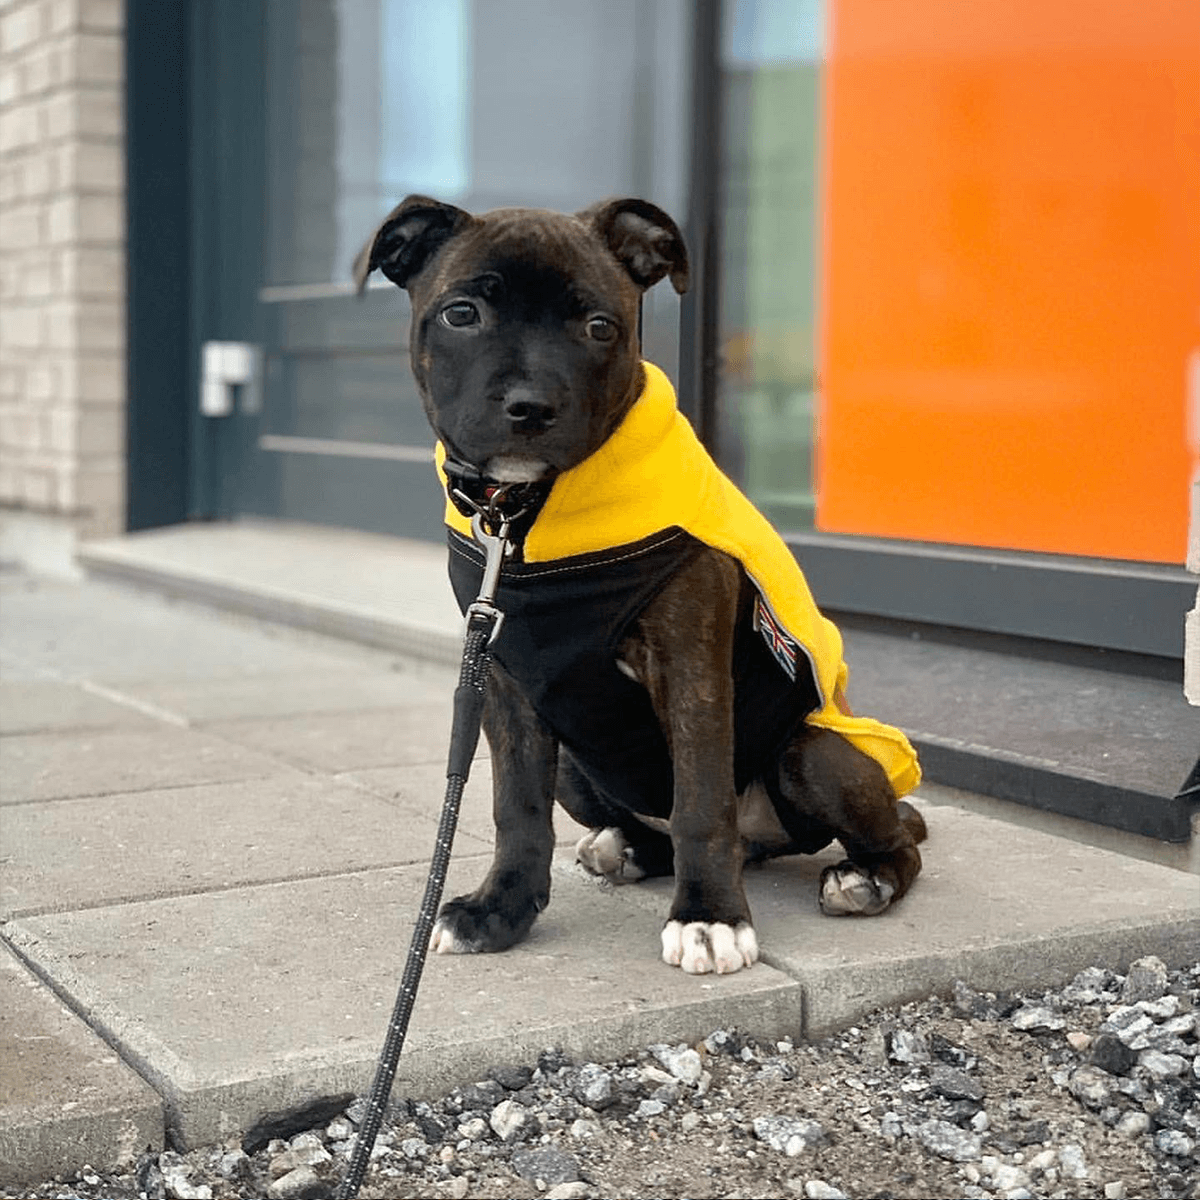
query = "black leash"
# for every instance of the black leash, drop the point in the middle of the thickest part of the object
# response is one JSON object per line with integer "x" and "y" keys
{"x": 491, "y": 528}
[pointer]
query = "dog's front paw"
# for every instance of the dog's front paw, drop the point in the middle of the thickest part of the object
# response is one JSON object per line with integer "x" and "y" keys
{"x": 703, "y": 947}
{"x": 607, "y": 852}
{"x": 474, "y": 925}
{"x": 445, "y": 939}
{"x": 850, "y": 890}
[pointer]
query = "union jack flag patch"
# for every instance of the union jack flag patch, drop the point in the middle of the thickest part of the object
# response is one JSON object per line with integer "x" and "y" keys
{"x": 781, "y": 644}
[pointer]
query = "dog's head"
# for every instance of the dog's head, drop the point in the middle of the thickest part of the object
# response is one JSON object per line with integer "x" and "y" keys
{"x": 524, "y": 330}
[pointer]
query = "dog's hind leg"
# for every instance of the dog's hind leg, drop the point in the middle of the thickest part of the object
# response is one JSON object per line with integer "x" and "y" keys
{"x": 869, "y": 880}
{"x": 524, "y": 754}
{"x": 617, "y": 845}
{"x": 824, "y": 781}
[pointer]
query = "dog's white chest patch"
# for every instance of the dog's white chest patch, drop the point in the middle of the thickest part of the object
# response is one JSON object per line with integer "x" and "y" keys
{"x": 512, "y": 468}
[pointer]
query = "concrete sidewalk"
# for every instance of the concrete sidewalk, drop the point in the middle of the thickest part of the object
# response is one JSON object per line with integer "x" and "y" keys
{"x": 214, "y": 838}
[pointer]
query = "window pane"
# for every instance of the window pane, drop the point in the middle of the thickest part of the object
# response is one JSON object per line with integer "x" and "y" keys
{"x": 772, "y": 62}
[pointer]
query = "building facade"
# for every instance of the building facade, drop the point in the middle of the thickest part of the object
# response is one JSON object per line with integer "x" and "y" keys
{"x": 945, "y": 331}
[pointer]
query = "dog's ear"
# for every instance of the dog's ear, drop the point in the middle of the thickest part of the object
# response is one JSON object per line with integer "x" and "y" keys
{"x": 410, "y": 235}
{"x": 645, "y": 241}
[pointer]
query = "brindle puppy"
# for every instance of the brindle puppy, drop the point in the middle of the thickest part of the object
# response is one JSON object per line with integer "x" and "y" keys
{"x": 524, "y": 345}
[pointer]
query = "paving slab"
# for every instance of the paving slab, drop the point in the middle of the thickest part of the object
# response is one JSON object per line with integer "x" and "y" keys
{"x": 996, "y": 905}
{"x": 1185, "y": 857}
{"x": 231, "y": 903}
{"x": 111, "y": 634}
{"x": 278, "y": 694}
{"x": 17, "y": 669}
{"x": 254, "y": 999}
{"x": 421, "y": 788}
{"x": 66, "y": 1099}
{"x": 346, "y": 741}
{"x": 1098, "y": 726}
{"x": 41, "y": 706}
{"x": 66, "y": 854}
{"x": 51, "y": 766}
{"x": 384, "y": 591}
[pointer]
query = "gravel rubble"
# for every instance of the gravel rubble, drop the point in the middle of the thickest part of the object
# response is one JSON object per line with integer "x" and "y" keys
{"x": 1091, "y": 1090}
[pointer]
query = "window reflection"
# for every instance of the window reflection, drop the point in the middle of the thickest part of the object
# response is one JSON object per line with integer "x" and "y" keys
{"x": 772, "y": 61}
{"x": 484, "y": 103}
{"x": 479, "y": 102}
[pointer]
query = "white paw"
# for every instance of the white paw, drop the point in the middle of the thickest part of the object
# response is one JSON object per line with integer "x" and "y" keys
{"x": 606, "y": 852}
{"x": 849, "y": 890}
{"x": 443, "y": 941}
{"x": 701, "y": 948}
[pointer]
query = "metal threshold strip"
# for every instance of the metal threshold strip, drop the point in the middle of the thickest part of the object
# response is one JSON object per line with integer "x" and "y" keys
{"x": 342, "y": 449}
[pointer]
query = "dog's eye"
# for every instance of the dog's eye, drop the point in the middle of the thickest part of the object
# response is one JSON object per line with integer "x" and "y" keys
{"x": 601, "y": 329}
{"x": 460, "y": 314}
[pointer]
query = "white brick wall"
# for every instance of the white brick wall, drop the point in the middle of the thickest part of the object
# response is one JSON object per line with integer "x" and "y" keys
{"x": 62, "y": 300}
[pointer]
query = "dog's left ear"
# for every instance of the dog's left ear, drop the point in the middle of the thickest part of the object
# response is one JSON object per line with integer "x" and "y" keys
{"x": 408, "y": 238}
{"x": 644, "y": 240}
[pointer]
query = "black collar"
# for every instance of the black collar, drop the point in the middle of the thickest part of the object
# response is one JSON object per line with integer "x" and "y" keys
{"x": 471, "y": 492}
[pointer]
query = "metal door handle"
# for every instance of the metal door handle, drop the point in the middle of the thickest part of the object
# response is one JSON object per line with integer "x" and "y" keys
{"x": 225, "y": 366}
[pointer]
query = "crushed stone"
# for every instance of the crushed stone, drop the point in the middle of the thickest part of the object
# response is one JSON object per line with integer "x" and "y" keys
{"x": 1090, "y": 1090}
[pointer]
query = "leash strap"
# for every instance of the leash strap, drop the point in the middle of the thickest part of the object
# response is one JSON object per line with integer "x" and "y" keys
{"x": 483, "y": 624}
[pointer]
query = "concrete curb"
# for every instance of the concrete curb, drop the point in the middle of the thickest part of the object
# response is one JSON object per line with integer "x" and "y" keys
{"x": 280, "y": 606}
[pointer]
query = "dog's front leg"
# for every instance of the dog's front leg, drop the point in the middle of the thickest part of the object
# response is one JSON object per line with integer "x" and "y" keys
{"x": 682, "y": 651}
{"x": 501, "y": 910}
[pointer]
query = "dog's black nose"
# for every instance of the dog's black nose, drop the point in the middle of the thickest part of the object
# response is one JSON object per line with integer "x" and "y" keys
{"x": 527, "y": 410}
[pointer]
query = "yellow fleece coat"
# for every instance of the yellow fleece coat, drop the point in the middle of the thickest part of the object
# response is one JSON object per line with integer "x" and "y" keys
{"x": 653, "y": 474}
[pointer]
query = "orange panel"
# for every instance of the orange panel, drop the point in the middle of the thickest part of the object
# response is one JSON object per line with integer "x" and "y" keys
{"x": 1011, "y": 283}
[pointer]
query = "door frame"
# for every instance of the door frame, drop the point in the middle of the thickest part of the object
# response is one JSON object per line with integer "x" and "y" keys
{"x": 194, "y": 99}
{"x": 158, "y": 263}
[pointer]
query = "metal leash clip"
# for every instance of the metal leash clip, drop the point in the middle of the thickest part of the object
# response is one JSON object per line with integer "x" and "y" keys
{"x": 490, "y": 526}
{"x": 496, "y": 548}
